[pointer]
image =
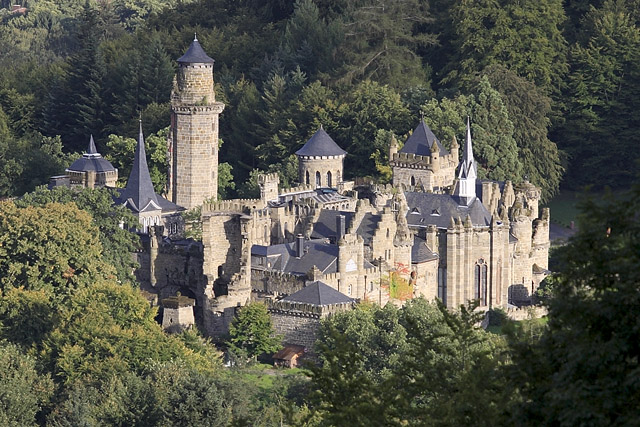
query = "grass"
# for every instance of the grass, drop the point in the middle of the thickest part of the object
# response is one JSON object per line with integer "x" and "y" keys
{"x": 564, "y": 208}
{"x": 497, "y": 329}
{"x": 264, "y": 376}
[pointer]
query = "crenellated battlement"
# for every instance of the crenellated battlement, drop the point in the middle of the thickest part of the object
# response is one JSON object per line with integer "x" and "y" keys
{"x": 239, "y": 206}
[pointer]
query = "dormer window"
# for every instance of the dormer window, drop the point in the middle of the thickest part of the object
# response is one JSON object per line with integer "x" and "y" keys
{"x": 435, "y": 212}
{"x": 415, "y": 211}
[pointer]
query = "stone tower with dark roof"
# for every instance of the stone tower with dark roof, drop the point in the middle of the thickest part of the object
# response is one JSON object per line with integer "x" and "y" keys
{"x": 193, "y": 145}
{"x": 92, "y": 170}
{"x": 423, "y": 162}
{"x": 321, "y": 161}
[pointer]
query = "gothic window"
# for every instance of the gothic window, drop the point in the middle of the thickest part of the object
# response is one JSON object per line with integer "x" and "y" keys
{"x": 413, "y": 181}
{"x": 318, "y": 184}
{"x": 307, "y": 177}
{"x": 442, "y": 285}
{"x": 388, "y": 233}
{"x": 481, "y": 282}
{"x": 328, "y": 179}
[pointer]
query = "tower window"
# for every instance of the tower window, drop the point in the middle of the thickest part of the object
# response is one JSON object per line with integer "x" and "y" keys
{"x": 328, "y": 179}
{"x": 318, "y": 179}
{"x": 413, "y": 181}
{"x": 307, "y": 177}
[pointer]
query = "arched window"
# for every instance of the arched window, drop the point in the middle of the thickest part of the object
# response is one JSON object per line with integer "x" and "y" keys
{"x": 306, "y": 177}
{"x": 481, "y": 282}
{"x": 318, "y": 184}
{"x": 328, "y": 179}
{"x": 266, "y": 235}
{"x": 413, "y": 181}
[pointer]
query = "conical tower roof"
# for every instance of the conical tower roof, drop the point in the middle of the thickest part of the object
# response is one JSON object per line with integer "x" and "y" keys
{"x": 195, "y": 54}
{"x": 321, "y": 144}
{"x": 91, "y": 161}
{"x": 421, "y": 141}
{"x": 139, "y": 193}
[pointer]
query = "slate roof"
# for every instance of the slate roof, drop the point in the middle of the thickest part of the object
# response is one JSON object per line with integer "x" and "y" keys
{"x": 319, "y": 293}
{"x": 321, "y": 144}
{"x": 91, "y": 161}
{"x": 438, "y": 209}
{"x": 316, "y": 252}
{"x": 468, "y": 167}
{"x": 420, "y": 252}
{"x": 325, "y": 227}
{"x": 195, "y": 54}
{"x": 421, "y": 141}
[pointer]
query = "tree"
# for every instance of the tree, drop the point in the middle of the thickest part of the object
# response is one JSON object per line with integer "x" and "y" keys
{"x": 251, "y": 331}
{"x": 118, "y": 243}
{"x": 55, "y": 248}
{"x": 23, "y": 391}
{"x": 584, "y": 367}
{"x": 529, "y": 111}
{"x": 494, "y": 146}
{"x": 524, "y": 36}
{"x": 109, "y": 329}
{"x": 603, "y": 94}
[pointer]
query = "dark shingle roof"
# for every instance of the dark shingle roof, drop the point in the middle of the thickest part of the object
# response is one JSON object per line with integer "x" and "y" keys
{"x": 139, "y": 194}
{"x": 438, "y": 209}
{"x": 195, "y": 54}
{"x": 421, "y": 140}
{"x": 321, "y": 144}
{"x": 319, "y": 293}
{"x": 316, "y": 252}
{"x": 420, "y": 252}
{"x": 91, "y": 161}
{"x": 325, "y": 226}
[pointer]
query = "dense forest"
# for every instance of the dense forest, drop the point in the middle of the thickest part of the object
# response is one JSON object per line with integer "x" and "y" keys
{"x": 552, "y": 87}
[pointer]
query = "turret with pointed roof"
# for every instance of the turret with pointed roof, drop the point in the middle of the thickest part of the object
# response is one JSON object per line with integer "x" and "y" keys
{"x": 423, "y": 162}
{"x": 193, "y": 145}
{"x": 92, "y": 170}
{"x": 321, "y": 161}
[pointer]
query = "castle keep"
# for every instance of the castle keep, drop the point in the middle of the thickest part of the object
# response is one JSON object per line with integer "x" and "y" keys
{"x": 437, "y": 231}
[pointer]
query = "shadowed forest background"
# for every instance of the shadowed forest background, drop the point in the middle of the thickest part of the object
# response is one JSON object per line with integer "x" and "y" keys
{"x": 553, "y": 92}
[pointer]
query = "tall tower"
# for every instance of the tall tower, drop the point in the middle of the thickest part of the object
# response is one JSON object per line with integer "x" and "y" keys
{"x": 193, "y": 148}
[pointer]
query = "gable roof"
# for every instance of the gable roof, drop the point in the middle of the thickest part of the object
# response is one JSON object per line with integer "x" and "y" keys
{"x": 91, "y": 161}
{"x": 321, "y": 144}
{"x": 438, "y": 209}
{"x": 195, "y": 54}
{"x": 319, "y": 293}
{"x": 420, "y": 252}
{"x": 421, "y": 141}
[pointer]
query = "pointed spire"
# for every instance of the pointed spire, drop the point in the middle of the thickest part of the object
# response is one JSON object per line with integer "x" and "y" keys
{"x": 468, "y": 172}
{"x": 139, "y": 191}
{"x": 195, "y": 54}
{"x": 92, "y": 146}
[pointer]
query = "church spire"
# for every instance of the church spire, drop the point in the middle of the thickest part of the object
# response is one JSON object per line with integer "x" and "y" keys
{"x": 92, "y": 147}
{"x": 468, "y": 172}
{"x": 139, "y": 192}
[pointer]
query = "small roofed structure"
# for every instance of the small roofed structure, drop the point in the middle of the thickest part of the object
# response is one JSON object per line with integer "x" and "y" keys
{"x": 297, "y": 316}
{"x": 288, "y": 357}
{"x": 89, "y": 171}
{"x": 321, "y": 161}
{"x": 177, "y": 314}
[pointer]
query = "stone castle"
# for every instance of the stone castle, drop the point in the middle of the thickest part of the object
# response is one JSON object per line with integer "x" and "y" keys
{"x": 437, "y": 231}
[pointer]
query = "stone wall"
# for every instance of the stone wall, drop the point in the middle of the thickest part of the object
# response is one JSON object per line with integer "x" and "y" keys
{"x": 308, "y": 166}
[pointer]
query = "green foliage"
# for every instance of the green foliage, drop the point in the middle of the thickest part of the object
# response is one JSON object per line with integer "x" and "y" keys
{"x": 26, "y": 317}
{"x": 492, "y": 131}
{"x": 23, "y": 390}
{"x": 118, "y": 243}
{"x": 589, "y": 348}
{"x": 417, "y": 365}
{"x": 193, "y": 223}
{"x": 109, "y": 329}
{"x": 252, "y": 331}
{"x": 55, "y": 248}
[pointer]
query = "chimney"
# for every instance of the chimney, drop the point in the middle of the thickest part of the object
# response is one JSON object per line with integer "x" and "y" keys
{"x": 299, "y": 245}
{"x": 341, "y": 226}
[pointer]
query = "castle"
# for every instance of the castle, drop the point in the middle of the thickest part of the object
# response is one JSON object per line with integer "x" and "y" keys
{"x": 437, "y": 231}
